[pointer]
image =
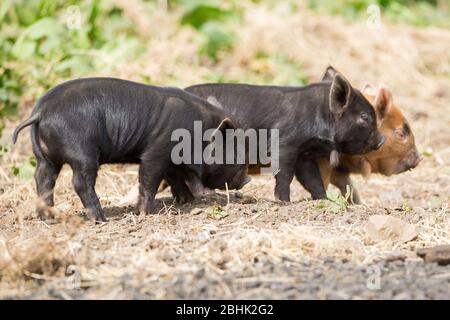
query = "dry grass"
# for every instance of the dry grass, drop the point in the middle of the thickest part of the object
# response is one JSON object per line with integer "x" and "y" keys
{"x": 176, "y": 254}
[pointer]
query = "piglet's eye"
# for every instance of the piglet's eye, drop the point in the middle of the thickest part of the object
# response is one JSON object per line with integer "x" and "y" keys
{"x": 362, "y": 119}
{"x": 403, "y": 132}
{"x": 400, "y": 134}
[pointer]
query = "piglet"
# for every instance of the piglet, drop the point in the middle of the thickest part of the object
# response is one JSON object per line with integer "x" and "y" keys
{"x": 89, "y": 122}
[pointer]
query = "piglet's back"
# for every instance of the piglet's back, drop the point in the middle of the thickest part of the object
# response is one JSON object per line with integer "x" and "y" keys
{"x": 118, "y": 117}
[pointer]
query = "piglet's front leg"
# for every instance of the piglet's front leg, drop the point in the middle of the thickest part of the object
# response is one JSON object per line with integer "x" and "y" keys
{"x": 179, "y": 189}
{"x": 283, "y": 181}
{"x": 308, "y": 174}
{"x": 197, "y": 188}
{"x": 150, "y": 176}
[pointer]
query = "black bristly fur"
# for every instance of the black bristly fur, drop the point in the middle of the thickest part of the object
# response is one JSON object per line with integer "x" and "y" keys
{"x": 89, "y": 122}
{"x": 308, "y": 130}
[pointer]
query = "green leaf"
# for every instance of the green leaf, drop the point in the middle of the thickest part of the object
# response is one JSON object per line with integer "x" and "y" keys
{"x": 43, "y": 34}
{"x": 428, "y": 152}
{"x": 218, "y": 212}
{"x": 436, "y": 202}
{"x": 406, "y": 207}
{"x": 95, "y": 34}
{"x": 337, "y": 202}
{"x": 217, "y": 38}
{"x": 45, "y": 27}
{"x": 199, "y": 14}
{"x": 25, "y": 171}
{"x": 288, "y": 72}
{"x": 4, "y": 149}
{"x": 75, "y": 65}
{"x": 24, "y": 50}
{"x": 4, "y": 7}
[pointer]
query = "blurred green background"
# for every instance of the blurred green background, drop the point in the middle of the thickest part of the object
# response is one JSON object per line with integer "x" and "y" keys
{"x": 44, "y": 42}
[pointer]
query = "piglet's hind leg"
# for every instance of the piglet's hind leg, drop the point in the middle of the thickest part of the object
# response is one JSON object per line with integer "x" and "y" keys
{"x": 284, "y": 176}
{"x": 45, "y": 176}
{"x": 84, "y": 177}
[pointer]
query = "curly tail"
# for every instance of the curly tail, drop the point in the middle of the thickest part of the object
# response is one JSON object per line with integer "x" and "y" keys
{"x": 33, "y": 119}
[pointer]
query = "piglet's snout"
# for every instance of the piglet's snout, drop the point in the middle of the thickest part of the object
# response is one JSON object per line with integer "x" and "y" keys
{"x": 240, "y": 181}
{"x": 411, "y": 161}
{"x": 417, "y": 158}
{"x": 379, "y": 141}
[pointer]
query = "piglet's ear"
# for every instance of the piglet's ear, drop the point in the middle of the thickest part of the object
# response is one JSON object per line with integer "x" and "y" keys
{"x": 225, "y": 124}
{"x": 340, "y": 94}
{"x": 329, "y": 73}
{"x": 369, "y": 89}
{"x": 383, "y": 104}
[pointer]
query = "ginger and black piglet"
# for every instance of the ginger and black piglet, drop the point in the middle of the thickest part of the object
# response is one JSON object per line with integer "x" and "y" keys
{"x": 398, "y": 154}
{"x": 89, "y": 122}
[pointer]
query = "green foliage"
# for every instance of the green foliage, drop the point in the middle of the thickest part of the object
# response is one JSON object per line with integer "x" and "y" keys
{"x": 217, "y": 38}
{"x": 216, "y": 77}
{"x": 217, "y": 212}
{"x": 436, "y": 202}
{"x": 427, "y": 152}
{"x": 40, "y": 47}
{"x": 335, "y": 203}
{"x": 422, "y": 13}
{"x": 278, "y": 69}
{"x": 213, "y": 23}
{"x": 25, "y": 170}
{"x": 10, "y": 91}
{"x": 347, "y": 8}
{"x": 200, "y": 13}
{"x": 406, "y": 207}
{"x": 4, "y": 149}
{"x": 416, "y": 12}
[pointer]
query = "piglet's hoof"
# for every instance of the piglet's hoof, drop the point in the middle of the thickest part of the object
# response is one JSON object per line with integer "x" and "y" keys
{"x": 185, "y": 198}
{"x": 97, "y": 217}
{"x": 182, "y": 200}
{"x": 283, "y": 201}
{"x": 44, "y": 213}
{"x": 282, "y": 197}
{"x": 355, "y": 200}
{"x": 146, "y": 209}
{"x": 144, "y": 212}
{"x": 208, "y": 192}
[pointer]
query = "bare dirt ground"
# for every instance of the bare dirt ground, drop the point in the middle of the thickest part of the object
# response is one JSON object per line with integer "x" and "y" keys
{"x": 262, "y": 248}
